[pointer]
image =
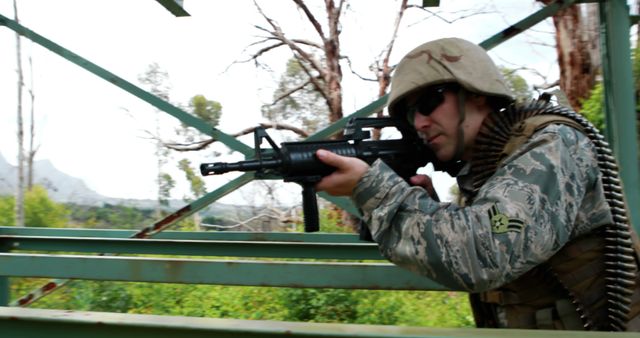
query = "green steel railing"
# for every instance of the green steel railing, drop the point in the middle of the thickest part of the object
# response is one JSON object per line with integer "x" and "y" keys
{"x": 231, "y": 248}
{"x": 316, "y": 237}
{"x": 23, "y": 322}
{"x": 66, "y": 257}
{"x": 341, "y": 275}
{"x": 66, "y": 324}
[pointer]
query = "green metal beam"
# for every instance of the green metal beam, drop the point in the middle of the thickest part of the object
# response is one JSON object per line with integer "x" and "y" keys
{"x": 37, "y": 323}
{"x": 175, "y": 7}
{"x": 195, "y": 206}
{"x": 129, "y": 87}
{"x": 430, "y": 3}
{"x": 528, "y": 22}
{"x": 620, "y": 107}
{"x": 382, "y": 276}
{"x": 316, "y": 237}
{"x": 4, "y": 282}
{"x": 350, "y": 251}
{"x": 4, "y": 291}
{"x": 337, "y": 126}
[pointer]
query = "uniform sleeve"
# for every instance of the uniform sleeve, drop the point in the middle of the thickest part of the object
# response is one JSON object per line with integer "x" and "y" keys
{"x": 521, "y": 216}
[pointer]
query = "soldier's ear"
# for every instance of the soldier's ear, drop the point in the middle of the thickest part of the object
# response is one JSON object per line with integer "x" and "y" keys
{"x": 479, "y": 101}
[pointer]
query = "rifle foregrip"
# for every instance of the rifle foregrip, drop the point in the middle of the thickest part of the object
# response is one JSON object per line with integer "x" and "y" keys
{"x": 310, "y": 208}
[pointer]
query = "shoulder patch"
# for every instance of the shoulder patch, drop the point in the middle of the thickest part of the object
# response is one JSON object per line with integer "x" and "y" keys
{"x": 501, "y": 223}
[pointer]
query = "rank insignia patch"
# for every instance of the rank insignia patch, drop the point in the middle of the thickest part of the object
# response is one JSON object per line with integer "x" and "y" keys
{"x": 501, "y": 223}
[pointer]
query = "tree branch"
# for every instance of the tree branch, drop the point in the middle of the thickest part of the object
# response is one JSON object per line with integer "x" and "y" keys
{"x": 356, "y": 73}
{"x": 311, "y": 18}
{"x": 437, "y": 14}
{"x": 279, "y": 35}
{"x": 203, "y": 144}
{"x": 389, "y": 48}
{"x": 314, "y": 79}
{"x": 290, "y": 92}
{"x": 546, "y": 86}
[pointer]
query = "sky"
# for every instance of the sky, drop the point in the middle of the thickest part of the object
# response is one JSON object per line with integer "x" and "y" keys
{"x": 95, "y": 131}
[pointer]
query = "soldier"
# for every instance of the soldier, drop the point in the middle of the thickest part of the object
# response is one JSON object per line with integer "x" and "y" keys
{"x": 541, "y": 239}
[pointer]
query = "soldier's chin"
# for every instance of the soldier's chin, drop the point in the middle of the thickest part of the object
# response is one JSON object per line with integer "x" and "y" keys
{"x": 442, "y": 155}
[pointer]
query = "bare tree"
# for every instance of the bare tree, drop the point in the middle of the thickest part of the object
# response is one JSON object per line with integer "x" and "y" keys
{"x": 381, "y": 66}
{"x": 157, "y": 81}
{"x": 20, "y": 186}
{"x": 324, "y": 72}
{"x": 319, "y": 60}
{"x": 33, "y": 149}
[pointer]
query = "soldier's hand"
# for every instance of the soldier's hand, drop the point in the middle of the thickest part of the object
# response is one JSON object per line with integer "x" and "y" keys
{"x": 425, "y": 182}
{"x": 348, "y": 172}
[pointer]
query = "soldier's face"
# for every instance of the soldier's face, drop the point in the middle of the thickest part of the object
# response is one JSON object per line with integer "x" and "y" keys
{"x": 436, "y": 119}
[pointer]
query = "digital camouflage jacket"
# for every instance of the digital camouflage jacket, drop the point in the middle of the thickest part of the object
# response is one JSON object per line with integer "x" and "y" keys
{"x": 544, "y": 194}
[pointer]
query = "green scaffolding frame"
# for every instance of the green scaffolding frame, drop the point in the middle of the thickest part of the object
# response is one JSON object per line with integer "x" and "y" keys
{"x": 619, "y": 98}
{"x": 620, "y": 109}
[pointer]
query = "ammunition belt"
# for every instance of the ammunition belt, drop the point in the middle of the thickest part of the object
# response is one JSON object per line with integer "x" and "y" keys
{"x": 620, "y": 265}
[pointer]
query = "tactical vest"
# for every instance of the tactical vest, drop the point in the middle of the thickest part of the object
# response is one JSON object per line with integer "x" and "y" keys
{"x": 592, "y": 282}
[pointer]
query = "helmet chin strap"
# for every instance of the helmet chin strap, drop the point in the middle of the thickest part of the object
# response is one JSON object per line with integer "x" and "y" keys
{"x": 462, "y": 98}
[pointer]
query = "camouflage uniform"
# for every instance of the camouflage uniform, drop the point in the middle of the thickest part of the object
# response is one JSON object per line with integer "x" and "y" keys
{"x": 545, "y": 194}
{"x": 541, "y": 242}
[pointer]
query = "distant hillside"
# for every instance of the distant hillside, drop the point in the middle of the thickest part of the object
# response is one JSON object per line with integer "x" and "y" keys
{"x": 61, "y": 187}
{"x": 64, "y": 188}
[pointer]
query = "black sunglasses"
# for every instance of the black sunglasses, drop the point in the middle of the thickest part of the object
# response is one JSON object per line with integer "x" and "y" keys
{"x": 428, "y": 101}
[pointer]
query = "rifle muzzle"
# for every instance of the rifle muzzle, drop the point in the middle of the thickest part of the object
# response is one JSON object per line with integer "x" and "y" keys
{"x": 218, "y": 168}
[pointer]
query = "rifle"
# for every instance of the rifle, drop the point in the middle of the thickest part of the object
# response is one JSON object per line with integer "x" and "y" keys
{"x": 296, "y": 161}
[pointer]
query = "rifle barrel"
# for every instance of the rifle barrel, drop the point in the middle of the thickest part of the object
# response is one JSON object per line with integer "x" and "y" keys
{"x": 218, "y": 168}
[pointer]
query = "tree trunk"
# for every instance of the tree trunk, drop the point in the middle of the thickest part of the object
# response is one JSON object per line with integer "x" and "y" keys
{"x": 19, "y": 209}
{"x": 32, "y": 131}
{"x": 382, "y": 68}
{"x": 332, "y": 53}
{"x": 577, "y": 44}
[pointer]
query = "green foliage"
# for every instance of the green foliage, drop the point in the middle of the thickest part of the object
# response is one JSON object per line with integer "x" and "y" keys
{"x": 593, "y": 107}
{"x": 40, "y": 210}
{"x": 321, "y": 305}
{"x": 635, "y": 59}
{"x": 414, "y": 308}
{"x": 156, "y": 80}
{"x": 378, "y": 307}
{"x": 165, "y": 184}
{"x": 187, "y": 224}
{"x": 296, "y": 102}
{"x": 102, "y": 296}
{"x": 7, "y": 211}
{"x": 196, "y": 183}
{"x": 207, "y": 110}
{"x": 517, "y": 84}
{"x": 109, "y": 216}
{"x": 329, "y": 222}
